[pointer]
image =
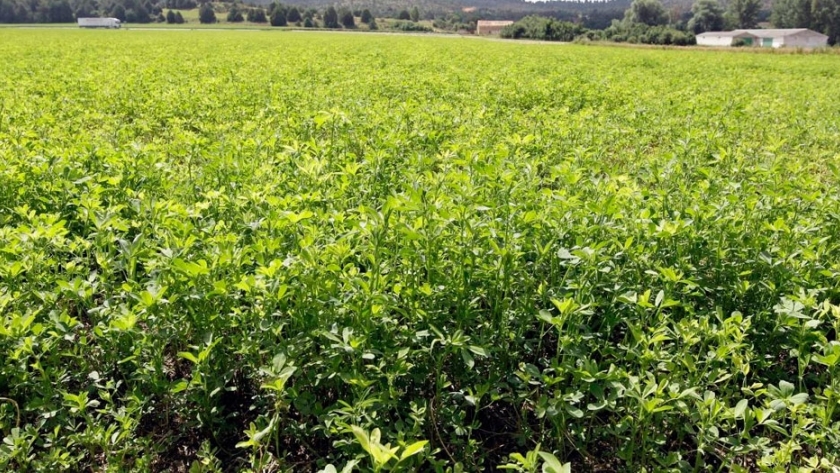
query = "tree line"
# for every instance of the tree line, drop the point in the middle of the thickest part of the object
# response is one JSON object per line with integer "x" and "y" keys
{"x": 67, "y": 11}
{"x": 148, "y": 11}
{"x": 278, "y": 14}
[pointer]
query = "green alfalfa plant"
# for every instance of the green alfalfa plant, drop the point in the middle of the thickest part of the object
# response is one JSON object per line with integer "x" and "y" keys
{"x": 567, "y": 329}
{"x": 446, "y": 348}
{"x": 17, "y": 409}
{"x": 348, "y": 467}
{"x": 206, "y": 384}
{"x": 830, "y": 359}
{"x": 18, "y": 447}
{"x": 531, "y": 461}
{"x": 207, "y": 461}
{"x": 260, "y": 438}
{"x": 384, "y": 457}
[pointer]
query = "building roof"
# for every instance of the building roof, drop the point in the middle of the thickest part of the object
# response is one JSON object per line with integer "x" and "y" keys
{"x": 768, "y": 33}
{"x": 726, "y": 34}
{"x": 781, "y": 33}
{"x": 493, "y": 23}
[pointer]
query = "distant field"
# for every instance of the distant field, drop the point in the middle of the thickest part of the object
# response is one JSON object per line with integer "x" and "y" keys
{"x": 223, "y": 251}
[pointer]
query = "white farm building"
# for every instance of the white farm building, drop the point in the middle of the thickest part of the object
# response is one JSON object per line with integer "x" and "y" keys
{"x": 791, "y": 38}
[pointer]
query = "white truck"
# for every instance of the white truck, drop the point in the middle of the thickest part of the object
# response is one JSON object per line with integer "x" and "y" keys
{"x": 99, "y": 23}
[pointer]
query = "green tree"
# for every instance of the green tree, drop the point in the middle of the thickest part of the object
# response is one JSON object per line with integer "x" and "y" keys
{"x": 293, "y": 16}
{"x": 646, "y": 12}
{"x": 259, "y": 16}
{"x": 404, "y": 15}
{"x": 278, "y": 16}
{"x": 792, "y": 14}
{"x": 331, "y": 18}
{"x": 372, "y": 25}
{"x": 542, "y": 28}
{"x": 142, "y": 15}
{"x": 118, "y": 12}
{"x": 826, "y": 19}
{"x": 744, "y": 13}
{"x": 707, "y": 15}
{"x": 170, "y": 17}
{"x": 347, "y": 19}
{"x": 235, "y": 15}
{"x": 179, "y": 19}
{"x": 206, "y": 15}
{"x": 308, "y": 23}
{"x": 85, "y": 9}
{"x": 366, "y": 16}
{"x": 414, "y": 14}
{"x": 59, "y": 11}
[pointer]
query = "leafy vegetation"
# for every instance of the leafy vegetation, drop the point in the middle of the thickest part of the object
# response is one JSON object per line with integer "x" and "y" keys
{"x": 235, "y": 15}
{"x": 744, "y": 13}
{"x": 206, "y": 14}
{"x": 174, "y": 17}
{"x": 278, "y": 15}
{"x": 347, "y": 19}
{"x": 407, "y": 25}
{"x": 646, "y": 12}
{"x": 331, "y": 18}
{"x": 622, "y": 32}
{"x": 293, "y": 16}
{"x": 402, "y": 253}
{"x": 544, "y": 29}
{"x": 646, "y": 21}
{"x": 707, "y": 15}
